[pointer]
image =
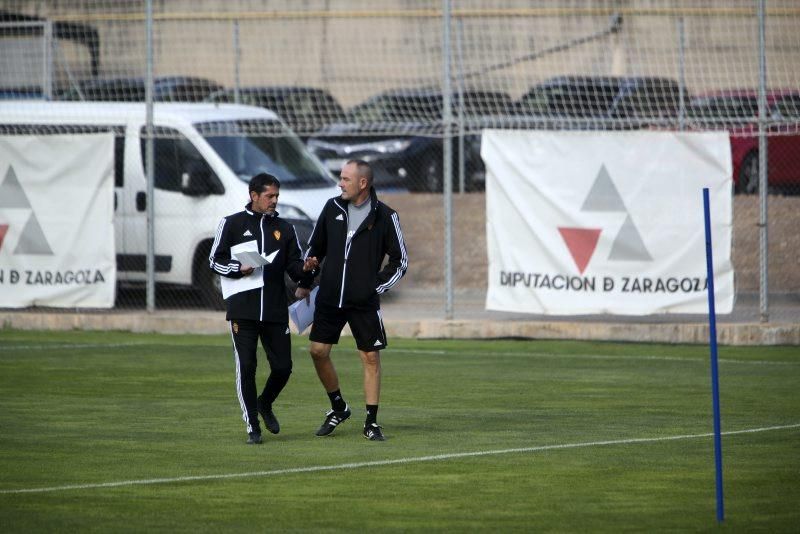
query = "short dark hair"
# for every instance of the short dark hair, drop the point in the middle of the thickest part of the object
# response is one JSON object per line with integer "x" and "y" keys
{"x": 364, "y": 169}
{"x": 260, "y": 182}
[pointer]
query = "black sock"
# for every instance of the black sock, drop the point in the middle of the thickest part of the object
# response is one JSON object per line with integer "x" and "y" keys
{"x": 337, "y": 402}
{"x": 372, "y": 414}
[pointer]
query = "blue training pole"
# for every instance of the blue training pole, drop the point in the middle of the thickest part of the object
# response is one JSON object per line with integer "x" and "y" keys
{"x": 712, "y": 332}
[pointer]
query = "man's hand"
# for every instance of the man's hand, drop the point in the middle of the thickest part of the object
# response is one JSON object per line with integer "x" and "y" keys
{"x": 246, "y": 271}
{"x": 303, "y": 293}
{"x": 310, "y": 264}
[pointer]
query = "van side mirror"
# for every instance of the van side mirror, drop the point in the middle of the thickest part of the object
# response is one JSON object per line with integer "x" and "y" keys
{"x": 197, "y": 181}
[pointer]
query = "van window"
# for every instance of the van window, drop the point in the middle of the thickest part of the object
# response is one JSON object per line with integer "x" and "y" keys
{"x": 250, "y": 147}
{"x": 174, "y": 155}
{"x": 119, "y": 161}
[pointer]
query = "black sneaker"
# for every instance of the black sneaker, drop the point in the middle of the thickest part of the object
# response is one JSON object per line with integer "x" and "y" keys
{"x": 332, "y": 419}
{"x": 373, "y": 432}
{"x": 270, "y": 421}
{"x": 254, "y": 438}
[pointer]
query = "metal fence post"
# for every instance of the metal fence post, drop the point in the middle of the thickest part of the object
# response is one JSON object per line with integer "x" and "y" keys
{"x": 682, "y": 73}
{"x": 447, "y": 155}
{"x": 47, "y": 64}
{"x": 462, "y": 160}
{"x": 149, "y": 151}
{"x": 763, "y": 183}
{"x": 237, "y": 57}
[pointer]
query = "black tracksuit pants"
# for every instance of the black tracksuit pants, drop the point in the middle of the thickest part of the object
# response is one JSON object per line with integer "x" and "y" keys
{"x": 277, "y": 344}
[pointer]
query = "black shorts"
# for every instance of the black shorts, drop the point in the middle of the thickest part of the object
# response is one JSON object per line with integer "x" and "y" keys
{"x": 365, "y": 325}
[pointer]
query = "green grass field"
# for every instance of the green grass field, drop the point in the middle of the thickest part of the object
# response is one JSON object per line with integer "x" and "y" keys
{"x": 127, "y": 432}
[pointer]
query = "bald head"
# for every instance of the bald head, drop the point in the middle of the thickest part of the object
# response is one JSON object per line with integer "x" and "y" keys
{"x": 355, "y": 181}
{"x": 363, "y": 170}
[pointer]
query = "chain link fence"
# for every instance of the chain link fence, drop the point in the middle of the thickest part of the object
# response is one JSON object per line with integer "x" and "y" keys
{"x": 353, "y": 81}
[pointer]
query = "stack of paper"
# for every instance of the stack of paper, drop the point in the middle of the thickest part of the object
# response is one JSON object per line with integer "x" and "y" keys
{"x": 302, "y": 312}
{"x": 247, "y": 254}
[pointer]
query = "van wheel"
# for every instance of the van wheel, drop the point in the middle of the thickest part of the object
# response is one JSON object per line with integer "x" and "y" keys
{"x": 206, "y": 281}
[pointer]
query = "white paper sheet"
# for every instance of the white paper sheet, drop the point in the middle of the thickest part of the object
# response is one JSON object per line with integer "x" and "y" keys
{"x": 231, "y": 286}
{"x": 250, "y": 258}
{"x": 253, "y": 258}
{"x": 302, "y": 312}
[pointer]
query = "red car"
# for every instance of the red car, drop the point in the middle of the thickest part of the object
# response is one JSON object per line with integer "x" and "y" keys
{"x": 737, "y": 111}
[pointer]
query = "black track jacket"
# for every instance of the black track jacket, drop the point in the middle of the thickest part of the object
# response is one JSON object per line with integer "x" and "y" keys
{"x": 352, "y": 274}
{"x": 271, "y": 233}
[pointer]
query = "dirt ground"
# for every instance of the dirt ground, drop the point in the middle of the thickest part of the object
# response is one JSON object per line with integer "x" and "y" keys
{"x": 422, "y": 219}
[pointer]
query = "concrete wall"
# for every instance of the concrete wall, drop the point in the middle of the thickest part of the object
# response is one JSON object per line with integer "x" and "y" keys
{"x": 356, "y": 48}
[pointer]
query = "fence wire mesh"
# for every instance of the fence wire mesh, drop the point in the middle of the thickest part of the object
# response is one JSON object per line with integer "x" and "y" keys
{"x": 351, "y": 80}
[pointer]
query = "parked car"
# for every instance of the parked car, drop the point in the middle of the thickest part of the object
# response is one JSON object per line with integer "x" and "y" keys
{"x": 737, "y": 111}
{"x": 399, "y": 132}
{"x": 165, "y": 89}
{"x": 21, "y": 93}
{"x": 305, "y": 109}
{"x": 604, "y": 102}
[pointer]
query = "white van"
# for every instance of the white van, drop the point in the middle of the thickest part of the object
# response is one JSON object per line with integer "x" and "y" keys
{"x": 205, "y": 155}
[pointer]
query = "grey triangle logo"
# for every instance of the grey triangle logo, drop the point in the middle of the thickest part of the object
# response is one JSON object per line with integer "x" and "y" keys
{"x": 603, "y": 196}
{"x": 628, "y": 245}
{"x": 32, "y": 240}
{"x": 11, "y": 193}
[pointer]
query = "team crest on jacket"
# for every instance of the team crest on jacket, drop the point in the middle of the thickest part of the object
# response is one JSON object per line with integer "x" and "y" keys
{"x": 277, "y": 234}
{"x": 235, "y": 328}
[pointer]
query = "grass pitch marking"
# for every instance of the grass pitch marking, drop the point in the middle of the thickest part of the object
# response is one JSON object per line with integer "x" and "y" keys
{"x": 57, "y": 346}
{"x": 595, "y": 357}
{"x": 63, "y": 346}
{"x": 380, "y": 463}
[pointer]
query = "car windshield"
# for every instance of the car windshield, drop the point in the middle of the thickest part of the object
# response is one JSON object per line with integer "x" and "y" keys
{"x": 570, "y": 100}
{"x": 788, "y": 107}
{"x": 250, "y": 147}
{"x": 652, "y": 100}
{"x": 386, "y": 108}
{"x": 426, "y": 108}
{"x": 724, "y": 107}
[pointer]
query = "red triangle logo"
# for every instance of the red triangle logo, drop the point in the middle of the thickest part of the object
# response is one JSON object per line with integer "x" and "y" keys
{"x": 3, "y": 230}
{"x": 581, "y": 243}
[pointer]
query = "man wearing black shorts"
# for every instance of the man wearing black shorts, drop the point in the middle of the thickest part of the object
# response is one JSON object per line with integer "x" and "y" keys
{"x": 354, "y": 233}
{"x": 259, "y": 310}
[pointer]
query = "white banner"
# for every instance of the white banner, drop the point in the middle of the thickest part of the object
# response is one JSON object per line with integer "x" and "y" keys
{"x": 606, "y": 222}
{"x": 56, "y": 221}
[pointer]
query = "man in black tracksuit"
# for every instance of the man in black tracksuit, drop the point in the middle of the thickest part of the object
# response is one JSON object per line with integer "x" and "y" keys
{"x": 354, "y": 233}
{"x": 259, "y": 312}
